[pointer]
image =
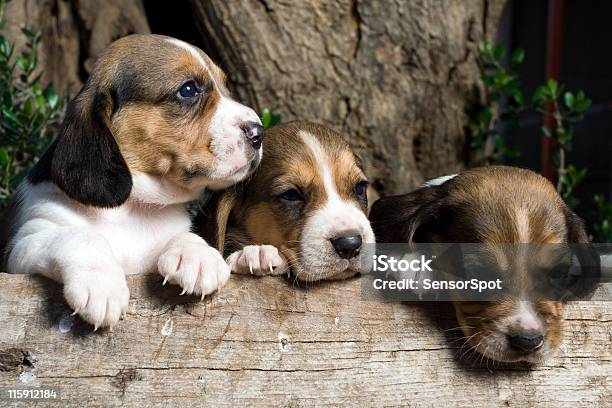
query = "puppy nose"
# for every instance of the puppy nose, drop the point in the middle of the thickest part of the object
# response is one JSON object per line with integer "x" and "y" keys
{"x": 526, "y": 342}
{"x": 347, "y": 246}
{"x": 254, "y": 132}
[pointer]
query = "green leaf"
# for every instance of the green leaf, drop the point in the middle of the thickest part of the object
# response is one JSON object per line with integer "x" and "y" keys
{"x": 546, "y": 131}
{"x": 569, "y": 99}
{"x": 486, "y": 116}
{"x": 518, "y": 97}
{"x": 553, "y": 88}
{"x": 486, "y": 52}
{"x": 10, "y": 115}
{"x": 499, "y": 52}
{"x": 27, "y": 32}
{"x": 538, "y": 95}
{"x": 28, "y": 107}
{"x": 276, "y": 119}
{"x": 266, "y": 118}
{"x": 502, "y": 77}
{"x": 488, "y": 80}
{"x": 53, "y": 100}
{"x": 518, "y": 56}
{"x": 582, "y": 104}
{"x": 5, "y": 159}
{"x": 580, "y": 175}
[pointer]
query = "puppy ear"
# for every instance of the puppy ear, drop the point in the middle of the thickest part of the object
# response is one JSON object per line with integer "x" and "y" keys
{"x": 398, "y": 218}
{"x": 85, "y": 161}
{"x": 212, "y": 220}
{"x": 581, "y": 285}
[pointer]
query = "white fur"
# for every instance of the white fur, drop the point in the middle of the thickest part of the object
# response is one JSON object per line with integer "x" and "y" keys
{"x": 258, "y": 260}
{"x": 523, "y": 319}
{"x": 438, "y": 181}
{"x": 229, "y": 146}
{"x": 522, "y": 225}
{"x": 90, "y": 250}
{"x": 336, "y": 217}
{"x": 195, "y": 54}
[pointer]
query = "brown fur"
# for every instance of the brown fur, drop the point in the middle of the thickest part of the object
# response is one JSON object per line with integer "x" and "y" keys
{"x": 481, "y": 206}
{"x": 156, "y": 135}
{"x": 255, "y": 215}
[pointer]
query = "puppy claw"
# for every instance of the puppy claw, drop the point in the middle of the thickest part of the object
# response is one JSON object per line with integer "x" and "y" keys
{"x": 165, "y": 281}
{"x": 193, "y": 265}
{"x": 257, "y": 260}
{"x": 97, "y": 296}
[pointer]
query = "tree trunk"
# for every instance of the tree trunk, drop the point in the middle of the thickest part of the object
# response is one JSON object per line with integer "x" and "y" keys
{"x": 394, "y": 77}
{"x": 73, "y": 33}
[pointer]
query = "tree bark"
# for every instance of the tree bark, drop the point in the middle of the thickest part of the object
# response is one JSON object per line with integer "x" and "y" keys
{"x": 392, "y": 76}
{"x": 73, "y": 33}
{"x": 266, "y": 342}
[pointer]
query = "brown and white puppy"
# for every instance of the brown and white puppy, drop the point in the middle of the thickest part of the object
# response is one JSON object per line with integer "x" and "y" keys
{"x": 151, "y": 129}
{"x": 303, "y": 211}
{"x": 494, "y": 205}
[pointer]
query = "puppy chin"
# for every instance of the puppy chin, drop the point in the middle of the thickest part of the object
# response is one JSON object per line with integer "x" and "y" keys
{"x": 226, "y": 175}
{"x": 494, "y": 347}
{"x": 313, "y": 266}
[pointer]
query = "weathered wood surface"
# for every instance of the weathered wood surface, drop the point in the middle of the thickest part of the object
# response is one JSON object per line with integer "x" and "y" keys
{"x": 266, "y": 342}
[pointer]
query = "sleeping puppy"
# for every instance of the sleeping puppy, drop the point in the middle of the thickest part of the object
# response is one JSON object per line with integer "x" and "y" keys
{"x": 151, "y": 129}
{"x": 492, "y": 205}
{"x": 302, "y": 212}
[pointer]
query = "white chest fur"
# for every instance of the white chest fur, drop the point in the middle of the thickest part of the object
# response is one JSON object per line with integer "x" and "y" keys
{"x": 136, "y": 232}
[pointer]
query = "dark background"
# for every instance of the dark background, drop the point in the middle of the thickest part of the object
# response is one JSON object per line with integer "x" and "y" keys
{"x": 586, "y": 64}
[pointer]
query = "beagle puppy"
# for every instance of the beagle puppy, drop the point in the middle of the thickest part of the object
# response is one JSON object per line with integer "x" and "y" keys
{"x": 150, "y": 130}
{"x": 494, "y": 205}
{"x": 301, "y": 213}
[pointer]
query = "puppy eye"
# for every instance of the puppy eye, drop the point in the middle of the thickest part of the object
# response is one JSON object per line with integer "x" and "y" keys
{"x": 188, "y": 90}
{"x": 292, "y": 195}
{"x": 361, "y": 188}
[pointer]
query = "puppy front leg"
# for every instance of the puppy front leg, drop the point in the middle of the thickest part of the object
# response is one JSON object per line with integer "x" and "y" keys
{"x": 258, "y": 260}
{"x": 191, "y": 263}
{"x": 94, "y": 282}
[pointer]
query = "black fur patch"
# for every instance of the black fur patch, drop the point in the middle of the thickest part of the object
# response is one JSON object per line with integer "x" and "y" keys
{"x": 6, "y": 232}
{"x": 85, "y": 161}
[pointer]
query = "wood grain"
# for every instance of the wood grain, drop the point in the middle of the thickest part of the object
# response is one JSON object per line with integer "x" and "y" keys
{"x": 267, "y": 342}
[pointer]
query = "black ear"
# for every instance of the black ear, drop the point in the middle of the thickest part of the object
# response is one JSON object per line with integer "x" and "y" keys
{"x": 582, "y": 285}
{"x": 85, "y": 161}
{"x": 398, "y": 218}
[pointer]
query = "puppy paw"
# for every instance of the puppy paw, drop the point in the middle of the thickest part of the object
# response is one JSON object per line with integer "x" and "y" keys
{"x": 195, "y": 266}
{"x": 258, "y": 260}
{"x": 99, "y": 296}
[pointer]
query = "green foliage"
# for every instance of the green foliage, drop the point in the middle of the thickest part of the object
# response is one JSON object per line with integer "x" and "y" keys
{"x": 30, "y": 115}
{"x": 565, "y": 108}
{"x": 602, "y": 227}
{"x": 268, "y": 119}
{"x": 499, "y": 83}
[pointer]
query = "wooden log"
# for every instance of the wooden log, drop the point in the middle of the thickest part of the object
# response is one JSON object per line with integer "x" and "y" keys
{"x": 268, "y": 342}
